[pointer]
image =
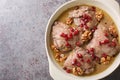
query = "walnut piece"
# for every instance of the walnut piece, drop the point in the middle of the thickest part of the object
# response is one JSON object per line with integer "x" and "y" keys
{"x": 69, "y": 21}
{"x": 99, "y": 15}
{"x": 87, "y": 35}
{"x": 105, "y": 60}
{"x": 77, "y": 71}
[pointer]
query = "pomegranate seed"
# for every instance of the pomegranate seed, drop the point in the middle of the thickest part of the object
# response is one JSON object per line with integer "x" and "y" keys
{"x": 74, "y": 61}
{"x": 68, "y": 71}
{"x": 76, "y": 32}
{"x": 68, "y": 45}
{"x": 82, "y": 60}
{"x": 81, "y": 25}
{"x": 70, "y": 36}
{"x": 71, "y": 29}
{"x": 86, "y": 20}
{"x": 106, "y": 34}
{"x": 64, "y": 68}
{"x": 88, "y": 61}
{"x": 78, "y": 64}
{"x": 97, "y": 58}
{"x": 79, "y": 55}
{"x": 106, "y": 41}
{"x": 78, "y": 43}
{"x": 113, "y": 44}
{"x": 93, "y": 56}
{"x": 95, "y": 28}
{"x": 100, "y": 43}
{"x": 85, "y": 16}
{"x": 91, "y": 50}
{"x": 62, "y": 35}
{"x": 86, "y": 27}
{"x": 66, "y": 38}
{"x": 104, "y": 55}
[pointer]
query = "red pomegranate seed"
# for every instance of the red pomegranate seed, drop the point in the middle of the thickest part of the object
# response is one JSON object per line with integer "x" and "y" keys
{"x": 62, "y": 35}
{"x": 86, "y": 20}
{"x": 66, "y": 38}
{"x": 64, "y": 68}
{"x": 91, "y": 50}
{"x": 106, "y": 34}
{"x": 100, "y": 43}
{"x": 104, "y": 55}
{"x": 95, "y": 28}
{"x": 78, "y": 64}
{"x": 79, "y": 55}
{"x": 70, "y": 36}
{"x": 93, "y": 56}
{"x": 68, "y": 71}
{"x": 82, "y": 60}
{"x": 88, "y": 61}
{"x": 76, "y": 32}
{"x": 68, "y": 45}
{"x": 74, "y": 61}
{"x": 97, "y": 58}
{"x": 113, "y": 44}
{"x": 106, "y": 41}
{"x": 78, "y": 43}
{"x": 86, "y": 27}
{"x": 85, "y": 16}
{"x": 81, "y": 25}
{"x": 71, "y": 29}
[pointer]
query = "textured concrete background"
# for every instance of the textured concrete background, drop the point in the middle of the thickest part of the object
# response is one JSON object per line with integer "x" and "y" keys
{"x": 22, "y": 30}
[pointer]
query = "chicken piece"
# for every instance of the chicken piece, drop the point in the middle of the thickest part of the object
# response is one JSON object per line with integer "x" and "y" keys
{"x": 102, "y": 44}
{"x": 79, "y": 58}
{"x": 79, "y": 12}
{"x": 64, "y": 37}
{"x": 58, "y": 41}
{"x": 84, "y": 16}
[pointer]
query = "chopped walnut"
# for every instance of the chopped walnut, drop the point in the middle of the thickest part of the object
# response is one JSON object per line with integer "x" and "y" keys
{"x": 87, "y": 35}
{"x": 69, "y": 21}
{"x": 113, "y": 31}
{"x": 63, "y": 59}
{"x": 99, "y": 15}
{"x": 60, "y": 57}
{"x": 57, "y": 55}
{"x": 80, "y": 71}
{"x": 52, "y": 47}
{"x": 77, "y": 71}
{"x": 56, "y": 50}
{"x": 74, "y": 71}
{"x": 105, "y": 60}
{"x": 102, "y": 59}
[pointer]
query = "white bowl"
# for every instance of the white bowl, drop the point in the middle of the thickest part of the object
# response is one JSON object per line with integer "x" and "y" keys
{"x": 112, "y": 8}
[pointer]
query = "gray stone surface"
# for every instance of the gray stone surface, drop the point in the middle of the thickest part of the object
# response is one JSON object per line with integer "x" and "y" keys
{"x": 22, "y": 30}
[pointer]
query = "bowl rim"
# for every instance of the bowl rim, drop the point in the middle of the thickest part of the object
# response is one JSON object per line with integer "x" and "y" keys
{"x": 48, "y": 53}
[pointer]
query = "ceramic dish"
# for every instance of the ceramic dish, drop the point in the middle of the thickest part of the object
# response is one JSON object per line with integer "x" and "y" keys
{"x": 112, "y": 8}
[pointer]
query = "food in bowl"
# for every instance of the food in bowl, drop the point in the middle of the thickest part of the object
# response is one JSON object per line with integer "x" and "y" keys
{"x": 84, "y": 40}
